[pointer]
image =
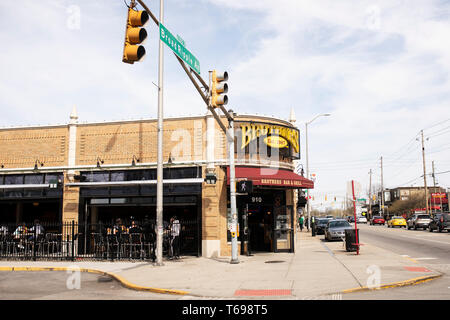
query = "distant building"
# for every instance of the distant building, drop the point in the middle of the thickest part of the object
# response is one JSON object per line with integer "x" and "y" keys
{"x": 437, "y": 196}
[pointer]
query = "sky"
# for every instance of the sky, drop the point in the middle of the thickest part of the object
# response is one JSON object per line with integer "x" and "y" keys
{"x": 380, "y": 68}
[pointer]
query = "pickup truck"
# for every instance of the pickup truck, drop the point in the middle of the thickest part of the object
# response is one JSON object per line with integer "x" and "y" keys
{"x": 441, "y": 221}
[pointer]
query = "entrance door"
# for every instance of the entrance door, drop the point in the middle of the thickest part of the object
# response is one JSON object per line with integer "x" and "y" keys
{"x": 260, "y": 222}
{"x": 283, "y": 229}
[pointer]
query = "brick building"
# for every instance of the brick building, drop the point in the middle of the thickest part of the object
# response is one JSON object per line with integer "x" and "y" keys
{"x": 91, "y": 172}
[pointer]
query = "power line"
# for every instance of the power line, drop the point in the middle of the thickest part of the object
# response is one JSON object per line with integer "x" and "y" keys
{"x": 410, "y": 181}
{"x": 434, "y": 125}
{"x": 438, "y": 151}
{"x": 439, "y": 133}
{"x": 442, "y": 172}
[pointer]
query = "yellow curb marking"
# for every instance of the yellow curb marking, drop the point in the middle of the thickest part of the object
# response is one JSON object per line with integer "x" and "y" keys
{"x": 124, "y": 282}
{"x": 395, "y": 284}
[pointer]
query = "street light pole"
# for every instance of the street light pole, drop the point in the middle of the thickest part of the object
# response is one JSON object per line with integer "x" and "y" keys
{"x": 307, "y": 164}
{"x": 159, "y": 170}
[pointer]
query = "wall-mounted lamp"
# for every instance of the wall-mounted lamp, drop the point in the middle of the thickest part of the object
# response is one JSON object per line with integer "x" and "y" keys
{"x": 171, "y": 159}
{"x": 300, "y": 169}
{"x": 99, "y": 161}
{"x": 135, "y": 159}
{"x": 2, "y": 166}
{"x": 38, "y": 163}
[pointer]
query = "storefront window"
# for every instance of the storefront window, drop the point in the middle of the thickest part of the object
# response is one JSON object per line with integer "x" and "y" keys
{"x": 117, "y": 176}
{"x": 34, "y": 178}
{"x": 14, "y": 179}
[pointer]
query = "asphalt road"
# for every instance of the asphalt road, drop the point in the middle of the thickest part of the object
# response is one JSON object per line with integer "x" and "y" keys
{"x": 430, "y": 250}
{"x": 58, "y": 285}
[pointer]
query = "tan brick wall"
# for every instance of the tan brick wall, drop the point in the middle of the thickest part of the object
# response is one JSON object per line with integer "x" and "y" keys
{"x": 20, "y": 148}
{"x": 116, "y": 143}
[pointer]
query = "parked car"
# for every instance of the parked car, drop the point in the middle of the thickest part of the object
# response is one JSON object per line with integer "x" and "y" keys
{"x": 361, "y": 219}
{"x": 335, "y": 229}
{"x": 351, "y": 219}
{"x": 441, "y": 221}
{"x": 418, "y": 220}
{"x": 321, "y": 224}
{"x": 396, "y": 221}
{"x": 377, "y": 220}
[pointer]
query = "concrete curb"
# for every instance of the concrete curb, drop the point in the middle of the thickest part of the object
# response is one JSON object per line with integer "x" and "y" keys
{"x": 124, "y": 282}
{"x": 408, "y": 282}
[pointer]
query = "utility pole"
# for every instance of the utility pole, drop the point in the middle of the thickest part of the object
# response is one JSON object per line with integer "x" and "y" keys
{"x": 382, "y": 188}
{"x": 370, "y": 193}
{"x": 424, "y": 175}
{"x": 159, "y": 169}
{"x": 434, "y": 182}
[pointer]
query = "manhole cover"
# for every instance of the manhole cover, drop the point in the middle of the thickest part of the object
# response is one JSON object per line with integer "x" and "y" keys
{"x": 274, "y": 261}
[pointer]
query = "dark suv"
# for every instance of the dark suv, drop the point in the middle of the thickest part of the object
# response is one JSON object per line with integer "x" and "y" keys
{"x": 321, "y": 224}
{"x": 441, "y": 221}
{"x": 418, "y": 220}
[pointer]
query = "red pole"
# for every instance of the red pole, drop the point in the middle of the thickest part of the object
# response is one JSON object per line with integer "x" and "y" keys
{"x": 354, "y": 212}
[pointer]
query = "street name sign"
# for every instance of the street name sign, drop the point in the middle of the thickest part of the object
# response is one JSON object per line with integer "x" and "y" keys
{"x": 180, "y": 50}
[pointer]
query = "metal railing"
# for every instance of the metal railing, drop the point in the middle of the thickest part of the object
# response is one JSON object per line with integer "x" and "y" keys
{"x": 101, "y": 241}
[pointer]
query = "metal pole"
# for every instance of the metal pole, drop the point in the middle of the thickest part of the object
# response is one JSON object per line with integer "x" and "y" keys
{"x": 382, "y": 188}
{"x": 234, "y": 247}
{"x": 308, "y": 206}
{"x": 370, "y": 194}
{"x": 434, "y": 184}
{"x": 424, "y": 175}
{"x": 354, "y": 214}
{"x": 307, "y": 162}
{"x": 159, "y": 170}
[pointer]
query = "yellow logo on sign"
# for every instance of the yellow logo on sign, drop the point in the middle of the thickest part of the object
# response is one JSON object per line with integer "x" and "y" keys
{"x": 252, "y": 131}
{"x": 276, "y": 142}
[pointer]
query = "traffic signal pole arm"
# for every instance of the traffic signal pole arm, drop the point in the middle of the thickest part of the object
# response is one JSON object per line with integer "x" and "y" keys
{"x": 215, "y": 97}
{"x": 196, "y": 85}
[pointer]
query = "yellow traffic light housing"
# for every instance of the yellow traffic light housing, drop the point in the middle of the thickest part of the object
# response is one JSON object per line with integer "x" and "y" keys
{"x": 219, "y": 88}
{"x": 134, "y": 36}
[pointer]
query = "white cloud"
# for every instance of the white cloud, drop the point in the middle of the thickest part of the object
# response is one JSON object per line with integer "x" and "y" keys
{"x": 380, "y": 67}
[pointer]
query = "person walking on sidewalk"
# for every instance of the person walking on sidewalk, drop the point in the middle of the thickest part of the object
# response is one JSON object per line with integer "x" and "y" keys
{"x": 174, "y": 238}
{"x": 301, "y": 221}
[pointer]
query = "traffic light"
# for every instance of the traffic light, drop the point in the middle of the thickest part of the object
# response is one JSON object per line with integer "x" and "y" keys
{"x": 219, "y": 88}
{"x": 301, "y": 202}
{"x": 134, "y": 36}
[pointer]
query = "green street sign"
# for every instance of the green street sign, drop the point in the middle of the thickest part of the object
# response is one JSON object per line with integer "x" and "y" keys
{"x": 173, "y": 43}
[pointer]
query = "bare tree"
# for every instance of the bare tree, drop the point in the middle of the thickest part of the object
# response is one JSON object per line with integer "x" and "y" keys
{"x": 400, "y": 207}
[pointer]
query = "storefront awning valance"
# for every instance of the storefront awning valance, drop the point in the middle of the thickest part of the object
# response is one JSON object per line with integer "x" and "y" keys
{"x": 272, "y": 177}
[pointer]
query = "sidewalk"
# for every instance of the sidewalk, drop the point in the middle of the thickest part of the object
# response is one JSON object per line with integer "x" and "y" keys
{"x": 317, "y": 269}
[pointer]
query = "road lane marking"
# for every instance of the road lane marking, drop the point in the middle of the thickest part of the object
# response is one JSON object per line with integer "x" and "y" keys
{"x": 426, "y": 258}
{"x": 416, "y": 238}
